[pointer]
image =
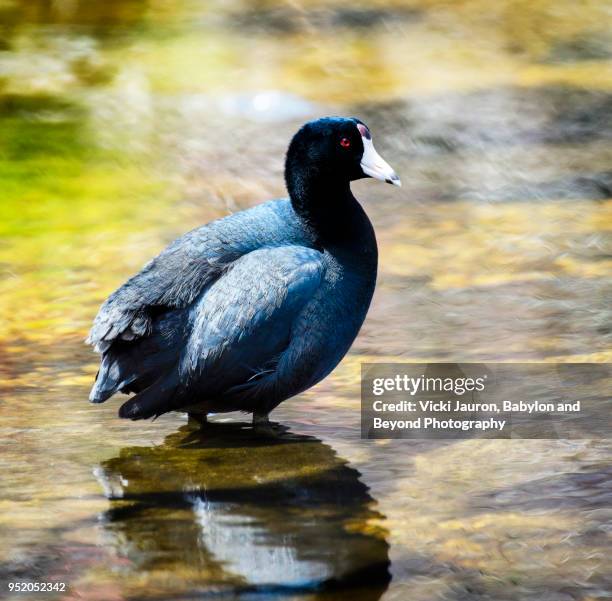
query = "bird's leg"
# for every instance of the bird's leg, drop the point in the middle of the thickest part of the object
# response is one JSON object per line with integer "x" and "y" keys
{"x": 199, "y": 420}
{"x": 261, "y": 419}
{"x": 262, "y": 425}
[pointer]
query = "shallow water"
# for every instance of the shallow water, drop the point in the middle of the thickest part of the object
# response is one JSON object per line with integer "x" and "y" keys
{"x": 123, "y": 124}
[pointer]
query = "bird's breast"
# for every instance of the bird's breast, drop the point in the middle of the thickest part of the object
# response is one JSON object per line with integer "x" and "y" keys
{"x": 330, "y": 322}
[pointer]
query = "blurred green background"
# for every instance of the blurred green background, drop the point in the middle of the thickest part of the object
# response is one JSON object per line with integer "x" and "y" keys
{"x": 127, "y": 122}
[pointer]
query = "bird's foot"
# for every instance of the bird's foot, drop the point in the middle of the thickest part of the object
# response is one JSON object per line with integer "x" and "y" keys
{"x": 197, "y": 420}
{"x": 264, "y": 427}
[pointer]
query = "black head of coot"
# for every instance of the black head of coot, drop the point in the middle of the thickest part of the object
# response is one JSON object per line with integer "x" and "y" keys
{"x": 335, "y": 151}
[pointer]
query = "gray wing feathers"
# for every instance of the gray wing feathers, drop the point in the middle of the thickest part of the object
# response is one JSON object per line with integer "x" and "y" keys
{"x": 178, "y": 275}
{"x": 241, "y": 324}
{"x": 244, "y": 320}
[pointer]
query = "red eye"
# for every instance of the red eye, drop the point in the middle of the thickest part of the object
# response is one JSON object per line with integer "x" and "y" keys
{"x": 345, "y": 143}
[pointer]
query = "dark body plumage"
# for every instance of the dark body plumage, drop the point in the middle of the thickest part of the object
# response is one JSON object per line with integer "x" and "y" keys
{"x": 250, "y": 309}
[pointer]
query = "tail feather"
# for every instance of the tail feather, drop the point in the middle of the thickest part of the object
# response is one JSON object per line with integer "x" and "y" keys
{"x": 153, "y": 401}
{"x": 109, "y": 380}
{"x": 134, "y": 365}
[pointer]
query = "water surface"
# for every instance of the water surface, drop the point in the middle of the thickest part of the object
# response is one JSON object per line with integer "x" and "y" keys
{"x": 123, "y": 124}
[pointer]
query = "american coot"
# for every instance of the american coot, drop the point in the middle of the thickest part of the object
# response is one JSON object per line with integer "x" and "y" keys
{"x": 251, "y": 309}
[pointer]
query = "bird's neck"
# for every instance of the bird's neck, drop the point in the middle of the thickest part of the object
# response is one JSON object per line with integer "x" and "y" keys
{"x": 331, "y": 212}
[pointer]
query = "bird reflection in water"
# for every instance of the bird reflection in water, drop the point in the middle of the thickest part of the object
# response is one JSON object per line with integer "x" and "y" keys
{"x": 226, "y": 510}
